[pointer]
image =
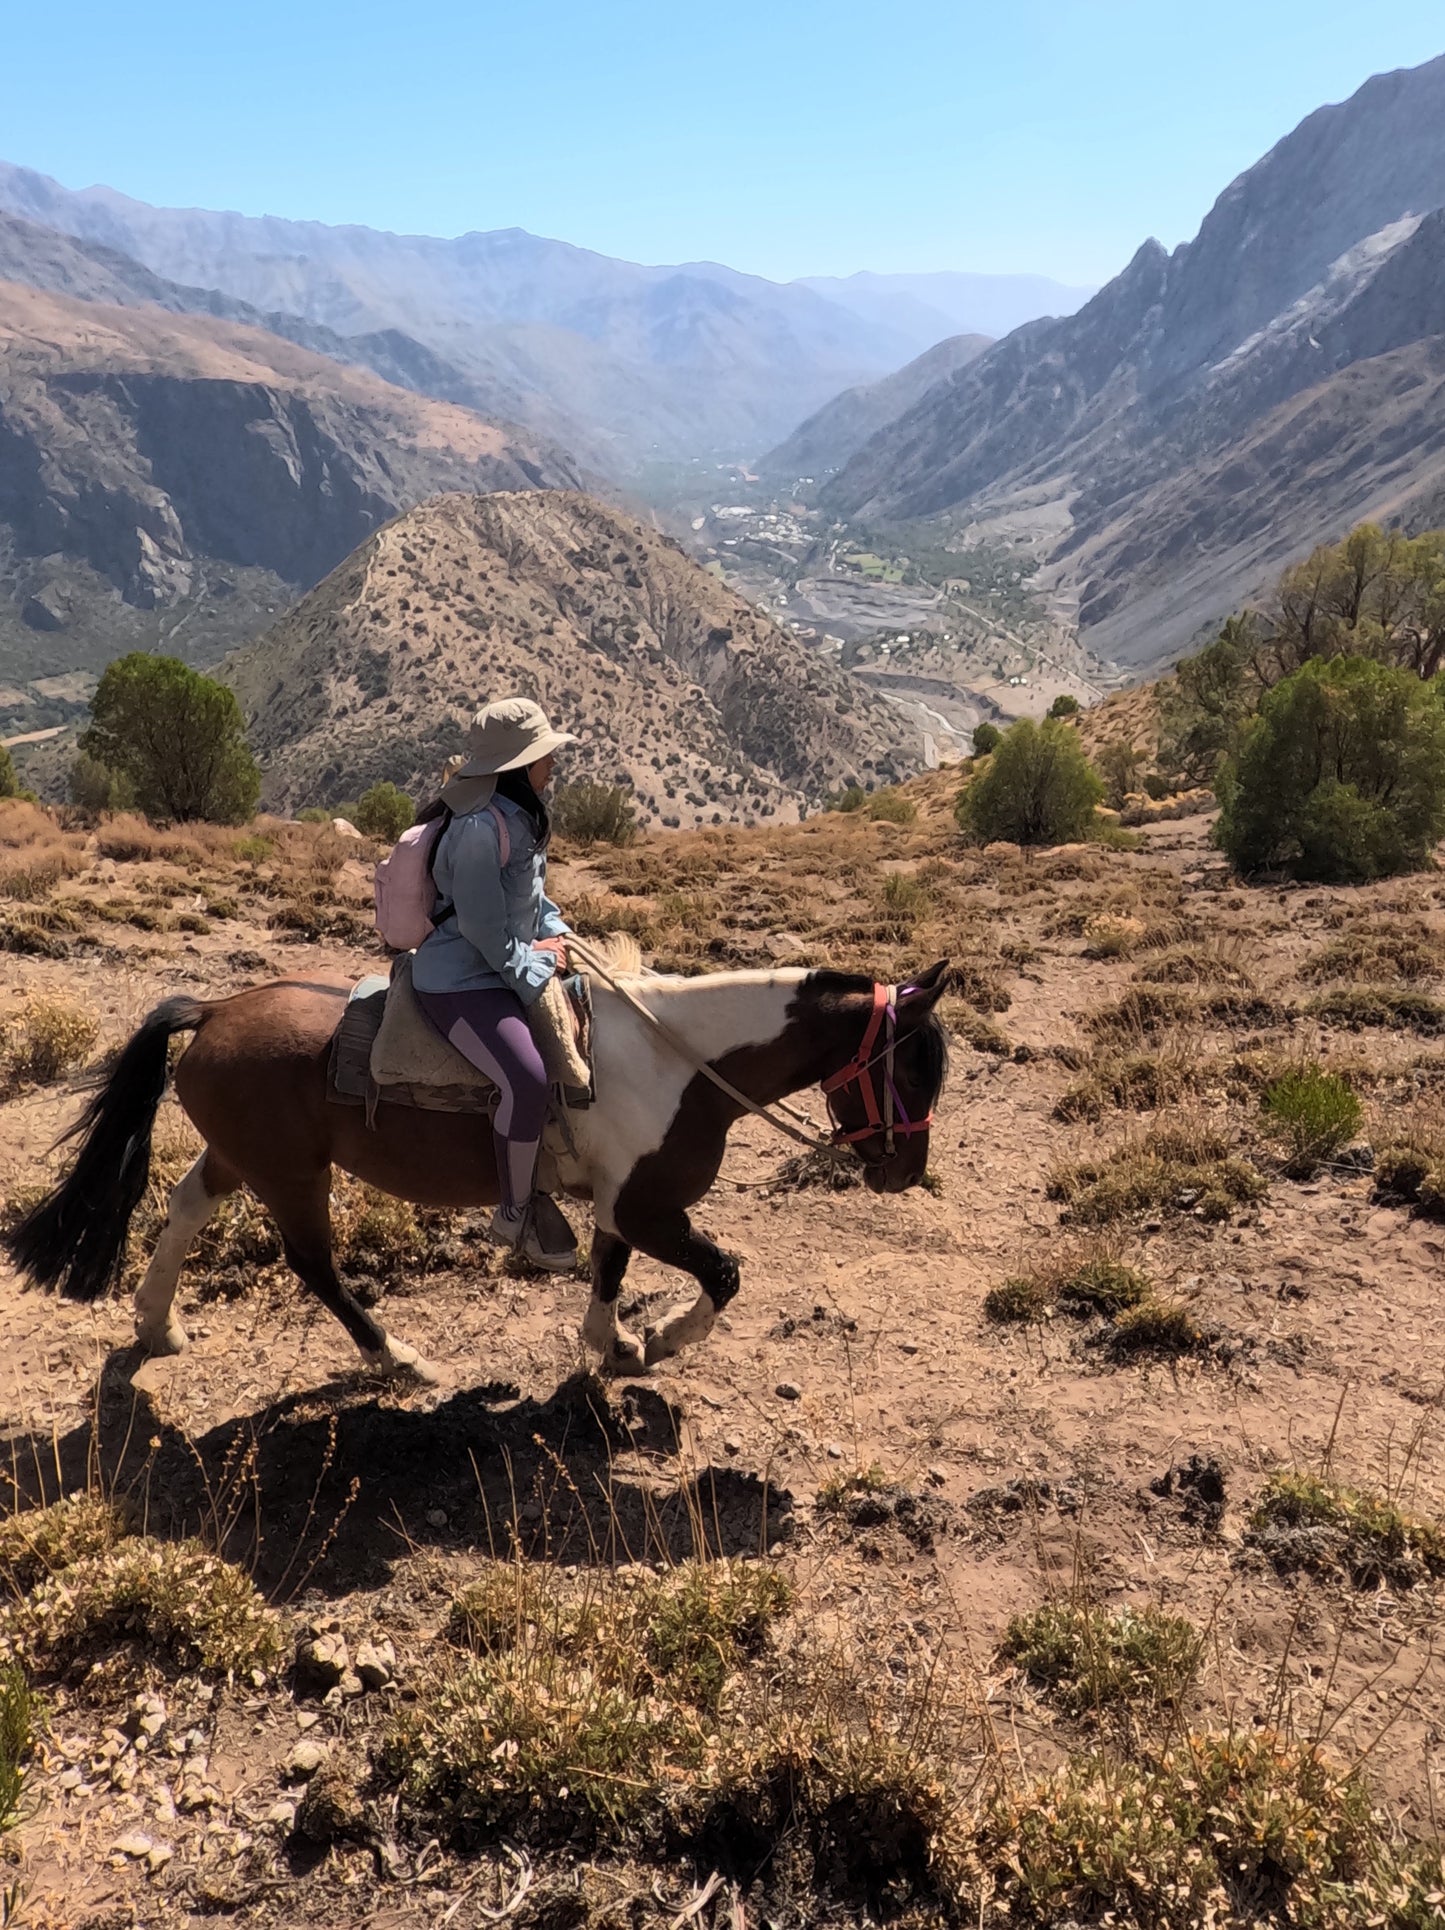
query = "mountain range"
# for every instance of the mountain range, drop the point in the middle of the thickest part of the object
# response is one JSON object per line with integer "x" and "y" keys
{"x": 1210, "y": 413}
{"x": 619, "y": 362}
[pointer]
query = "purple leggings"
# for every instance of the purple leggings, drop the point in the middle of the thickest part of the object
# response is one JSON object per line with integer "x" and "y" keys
{"x": 490, "y": 1028}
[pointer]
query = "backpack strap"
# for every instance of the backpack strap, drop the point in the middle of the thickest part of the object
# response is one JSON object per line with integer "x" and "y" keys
{"x": 504, "y": 852}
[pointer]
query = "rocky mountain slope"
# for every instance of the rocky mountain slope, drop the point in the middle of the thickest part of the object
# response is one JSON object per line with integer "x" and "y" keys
{"x": 617, "y": 360}
{"x": 841, "y": 427}
{"x": 1187, "y": 427}
{"x": 170, "y": 479}
{"x": 675, "y": 685}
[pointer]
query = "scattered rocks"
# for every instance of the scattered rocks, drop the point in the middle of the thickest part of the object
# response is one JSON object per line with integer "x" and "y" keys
{"x": 322, "y": 1662}
{"x": 305, "y": 1759}
{"x": 375, "y": 1664}
{"x": 1026, "y": 1491}
{"x": 1198, "y": 1484}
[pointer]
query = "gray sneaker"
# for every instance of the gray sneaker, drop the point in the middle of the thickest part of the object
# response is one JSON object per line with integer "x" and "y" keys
{"x": 538, "y": 1231}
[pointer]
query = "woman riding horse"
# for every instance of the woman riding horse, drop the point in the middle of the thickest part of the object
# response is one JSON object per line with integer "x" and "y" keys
{"x": 254, "y": 1084}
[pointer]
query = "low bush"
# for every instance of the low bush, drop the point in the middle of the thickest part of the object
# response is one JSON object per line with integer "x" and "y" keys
{"x": 174, "y": 1599}
{"x": 384, "y": 813}
{"x": 37, "y": 1542}
{"x": 986, "y": 739}
{"x": 1038, "y": 788}
{"x": 1092, "y": 1283}
{"x": 590, "y": 813}
{"x": 1314, "y": 1113}
{"x": 581, "y": 1700}
{"x": 1313, "y": 1522}
{"x": 1374, "y": 957}
{"x": 1090, "y": 1661}
{"x": 1155, "y": 1327}
{"x": 891, "y": 807}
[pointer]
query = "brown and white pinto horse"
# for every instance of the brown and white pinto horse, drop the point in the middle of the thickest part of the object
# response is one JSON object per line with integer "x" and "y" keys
{"x": 253, "y": 1081}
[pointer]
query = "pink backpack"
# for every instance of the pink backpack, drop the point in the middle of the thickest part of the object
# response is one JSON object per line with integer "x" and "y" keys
{"x": 405, "y": 889}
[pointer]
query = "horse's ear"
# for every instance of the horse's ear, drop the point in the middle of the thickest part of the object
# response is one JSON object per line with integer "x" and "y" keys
{"x": 921, "y": 994}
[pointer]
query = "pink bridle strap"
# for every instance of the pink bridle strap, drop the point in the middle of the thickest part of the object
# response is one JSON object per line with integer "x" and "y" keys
{"x": 889, "y": 1117}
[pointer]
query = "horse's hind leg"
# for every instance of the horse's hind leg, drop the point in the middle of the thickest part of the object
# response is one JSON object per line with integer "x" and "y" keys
{"x": 195, "y": 1198}
{"x": 303, "y": 1217}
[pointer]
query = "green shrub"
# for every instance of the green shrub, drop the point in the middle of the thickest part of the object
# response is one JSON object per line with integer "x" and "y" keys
{"x": 95, "y": 787}
{"x": 1038, "y": 788}
{"x": 891, "y": 807}
{"x": 178, "y": 738}
{"x": 1088, "y": 1660}
{"x": 315, "y": 814}
{"x": 594, "y": 813}
{"x": 1120, "y": 763}
{"x": 986, "y": 738}
{"x": 384, "y": 812}
{"x": 9, "y": 779}
{"x": 1340, "y": 778}
{"x": 1315, "y": 1113}
{"x": 1310, "y": 1521}
{"x": 1064, "y": 705}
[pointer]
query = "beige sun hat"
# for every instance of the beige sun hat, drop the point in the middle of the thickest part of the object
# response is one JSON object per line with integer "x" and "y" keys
{"x": 505, "y": 736}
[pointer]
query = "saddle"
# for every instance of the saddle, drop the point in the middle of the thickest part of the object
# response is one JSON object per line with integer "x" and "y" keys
{"x": 385, "y": 1047}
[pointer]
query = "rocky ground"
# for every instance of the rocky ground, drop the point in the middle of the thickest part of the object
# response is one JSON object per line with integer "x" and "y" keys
{"x": 919, "y": 1472}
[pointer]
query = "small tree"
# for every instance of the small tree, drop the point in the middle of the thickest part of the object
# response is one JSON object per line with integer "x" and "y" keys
{"x": 1064, "y": 705}
{"x": 95, "y": 787}
{"x": 1341, "y": 777}
{"x": 1039, "y": 788}
{"x": 986, "y": 738}
{"x": 1204, "y": 706}
{"x": 178, "y": 737}
{"x": 1119, "y": 765}
{"x": 594, "y": 813}
{"x": 384, "y": 812}
{"x": 9, "y": 778}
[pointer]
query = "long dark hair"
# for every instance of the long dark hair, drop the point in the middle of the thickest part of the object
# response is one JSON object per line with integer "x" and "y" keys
{"x": 516, "y": 787}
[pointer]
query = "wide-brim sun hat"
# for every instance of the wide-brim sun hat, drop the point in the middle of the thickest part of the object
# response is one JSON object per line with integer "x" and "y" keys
{"x": 505, "y": 736}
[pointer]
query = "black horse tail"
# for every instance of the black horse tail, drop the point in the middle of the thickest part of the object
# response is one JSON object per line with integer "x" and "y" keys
{"x": 75, "y": 1238}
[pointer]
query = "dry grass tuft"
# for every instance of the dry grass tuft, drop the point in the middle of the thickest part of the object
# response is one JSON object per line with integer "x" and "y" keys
{"x": 47, "y": 1038}
{"x": 1137, "y": 1082}
{"x": 1091, "y": 1282}
{"x": 1374, "y": 957}
{"x": 1206, "y": 963}
{"x": 1186, "y": 1166}
{"x": 1089, "y": 1661}
{"x": 1355, "y": 1007}
{"x": 16, "y": 1739}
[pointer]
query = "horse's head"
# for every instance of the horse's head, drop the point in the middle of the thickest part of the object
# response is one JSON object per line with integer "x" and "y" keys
{"x": 882, "y": 1101}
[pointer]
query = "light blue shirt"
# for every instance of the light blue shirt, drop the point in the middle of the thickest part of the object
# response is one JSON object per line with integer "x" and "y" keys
{"x": 500, "y": 911}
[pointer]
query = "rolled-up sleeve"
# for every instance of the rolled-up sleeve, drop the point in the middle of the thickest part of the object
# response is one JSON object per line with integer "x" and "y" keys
{"x": 483, "y": 913}
{"x": 552, "y": 923}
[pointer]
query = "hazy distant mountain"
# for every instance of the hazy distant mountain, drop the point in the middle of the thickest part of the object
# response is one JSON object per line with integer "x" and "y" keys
{"x": 1212, "y": 411}
{"x": 618, "y": 361}
{"x": 931, "y": 306}
{"x": 827, "y": 439}
{"x": 177, "y": 480}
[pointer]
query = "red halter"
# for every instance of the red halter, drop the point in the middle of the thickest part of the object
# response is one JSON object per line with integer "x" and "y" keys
{"x": 884, "y": 1110}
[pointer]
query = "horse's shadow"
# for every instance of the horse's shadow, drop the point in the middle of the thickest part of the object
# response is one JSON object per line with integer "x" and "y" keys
{"x": 329, "y": 1489}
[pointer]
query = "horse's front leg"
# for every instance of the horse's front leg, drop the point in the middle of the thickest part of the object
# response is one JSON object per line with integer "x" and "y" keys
{"x": 670, "y": 1238}
{"x": 621, "y": 1351}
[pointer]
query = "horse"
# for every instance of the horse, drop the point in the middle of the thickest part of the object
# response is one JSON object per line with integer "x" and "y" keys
{"x": 253, "y": 1081}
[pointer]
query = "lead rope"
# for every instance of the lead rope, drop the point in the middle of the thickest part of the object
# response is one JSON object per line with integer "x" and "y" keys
{"x": 579, "y": 949}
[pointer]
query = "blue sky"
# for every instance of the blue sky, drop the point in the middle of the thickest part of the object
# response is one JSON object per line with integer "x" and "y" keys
{"x": 807, "y": 138}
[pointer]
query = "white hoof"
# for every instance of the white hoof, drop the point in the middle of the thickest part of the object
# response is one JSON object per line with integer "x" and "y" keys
{"x": 625, "y": 1356}
{"x": 170, "y": 1339}
{"x": 684, "y": 1327}
{"x": 396, "y": 1361}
